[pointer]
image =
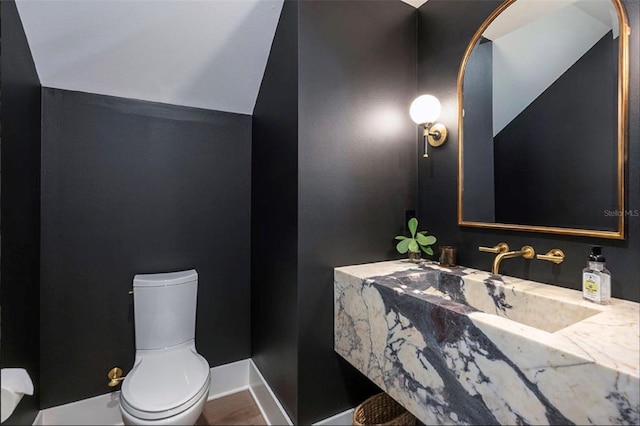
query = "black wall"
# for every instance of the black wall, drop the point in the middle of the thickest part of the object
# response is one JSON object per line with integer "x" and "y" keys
{"x": 341, "y": 193}
{"x": 274, "y": 216}
{"x": 357, "y": 171}
{"x": 20, "y": 215}
{"x": 445, "y": 28}
{"x": 578, "y": 109}
{"x": 134, "y": 187}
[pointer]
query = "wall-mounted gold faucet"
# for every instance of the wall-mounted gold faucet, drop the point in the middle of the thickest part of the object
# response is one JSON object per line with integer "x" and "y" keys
{"x": 502, "y": 249}
{"x": 554, "y": 255}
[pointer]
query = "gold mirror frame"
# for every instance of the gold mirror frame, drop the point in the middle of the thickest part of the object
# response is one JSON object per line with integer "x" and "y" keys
{"x": 623, "y": 117}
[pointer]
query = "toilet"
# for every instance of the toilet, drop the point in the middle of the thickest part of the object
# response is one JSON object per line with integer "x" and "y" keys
{"x": 169, "y": 382}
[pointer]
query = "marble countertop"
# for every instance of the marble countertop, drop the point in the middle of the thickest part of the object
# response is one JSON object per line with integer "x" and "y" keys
{"x": 546, "y": 337}
{"x": 610, "y": 338}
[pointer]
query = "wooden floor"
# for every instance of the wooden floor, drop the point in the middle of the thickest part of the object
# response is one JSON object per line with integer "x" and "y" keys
{"x": 235, "y": 409}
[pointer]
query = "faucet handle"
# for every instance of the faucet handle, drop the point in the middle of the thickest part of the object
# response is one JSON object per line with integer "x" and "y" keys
{"x": 554, "y": 255}
{"x": 500, "y": 248}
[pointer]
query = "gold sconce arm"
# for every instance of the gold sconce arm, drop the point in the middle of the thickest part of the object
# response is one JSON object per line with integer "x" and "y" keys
{"x": 499, "y": 248}
{"x": 115, "y": 376}
{"x": 434, "y": 135}
{"x": 554, "y": 255}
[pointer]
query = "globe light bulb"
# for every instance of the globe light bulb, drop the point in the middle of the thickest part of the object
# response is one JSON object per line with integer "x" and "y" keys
{"x": 425, "y": 109}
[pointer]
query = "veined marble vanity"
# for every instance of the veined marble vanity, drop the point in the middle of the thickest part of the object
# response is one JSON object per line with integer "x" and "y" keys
{"x": 463, "y": 346}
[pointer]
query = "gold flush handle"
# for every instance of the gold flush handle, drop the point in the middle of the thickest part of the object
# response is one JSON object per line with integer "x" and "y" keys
{"x": 554, "y": 255}
{"x": 115, "y": 376}
{"x": 500, "y": 248}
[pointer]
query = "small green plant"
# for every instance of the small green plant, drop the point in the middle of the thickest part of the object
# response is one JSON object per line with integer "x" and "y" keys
{"x": 417, "y": 241}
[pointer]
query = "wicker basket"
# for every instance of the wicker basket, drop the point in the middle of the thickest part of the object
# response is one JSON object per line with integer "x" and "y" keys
{"x": 381, "y": 409}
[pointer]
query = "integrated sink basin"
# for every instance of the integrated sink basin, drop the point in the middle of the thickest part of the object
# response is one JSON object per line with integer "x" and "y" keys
{"x": 463, "y": 346}
{"x": 490, "y": 294}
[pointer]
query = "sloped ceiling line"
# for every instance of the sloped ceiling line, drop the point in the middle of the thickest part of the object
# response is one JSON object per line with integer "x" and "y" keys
{"x": 205, "y": 54}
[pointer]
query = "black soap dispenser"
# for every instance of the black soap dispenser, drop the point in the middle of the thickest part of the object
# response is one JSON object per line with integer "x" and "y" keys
{"x": 596, "y": 279}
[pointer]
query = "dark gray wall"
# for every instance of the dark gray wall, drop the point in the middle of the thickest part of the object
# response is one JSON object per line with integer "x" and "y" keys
{"x": 445, "y": 29}
{"x": 274, "y": 216}
{"x": 134, "y": 187}
{"x": 578, "y": 109}
{"x": 333, "y": 108}
{"x": 20, "y": 215}
{"x": 357, "y": 176}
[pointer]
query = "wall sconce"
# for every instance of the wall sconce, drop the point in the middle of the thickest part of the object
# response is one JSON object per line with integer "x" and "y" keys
{"x": 425, "y": 110}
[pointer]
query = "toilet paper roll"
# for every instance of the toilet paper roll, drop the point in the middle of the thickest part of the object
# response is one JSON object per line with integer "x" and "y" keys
{"x": 15, "y": 383}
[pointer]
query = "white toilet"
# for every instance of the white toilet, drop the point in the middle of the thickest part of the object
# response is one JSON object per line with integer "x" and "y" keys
{"x": 169, "y": 382}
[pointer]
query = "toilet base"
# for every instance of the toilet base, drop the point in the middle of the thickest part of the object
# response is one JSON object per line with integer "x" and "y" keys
{"x": 187, "y": 417}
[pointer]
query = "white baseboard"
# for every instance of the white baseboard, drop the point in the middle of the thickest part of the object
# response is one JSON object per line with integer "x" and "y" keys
{"x": 225, "y": 380}
{"x": 229, "y": 378}
{"x": 99, "y": 410}
{"x": 341, "y": 419}
{"x": 270, "y": 407}
{"x": 38, "y": 420}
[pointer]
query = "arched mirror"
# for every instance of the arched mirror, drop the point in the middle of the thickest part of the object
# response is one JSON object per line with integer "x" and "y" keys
{"x": 542, "y": 98}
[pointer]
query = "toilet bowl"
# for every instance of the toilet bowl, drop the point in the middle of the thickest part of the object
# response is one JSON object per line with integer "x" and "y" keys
{"x": 169, "y": 382}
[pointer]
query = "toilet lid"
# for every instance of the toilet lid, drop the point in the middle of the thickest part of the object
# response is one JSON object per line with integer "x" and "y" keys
{"x": 165, "y": 379}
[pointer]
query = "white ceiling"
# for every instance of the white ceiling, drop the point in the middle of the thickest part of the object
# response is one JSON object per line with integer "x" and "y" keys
{"x": 200, "y": 53}
{"x": 208, "y": 53}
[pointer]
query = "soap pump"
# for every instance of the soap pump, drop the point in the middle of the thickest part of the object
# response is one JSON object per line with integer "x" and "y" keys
{"x": 596, "y": 279}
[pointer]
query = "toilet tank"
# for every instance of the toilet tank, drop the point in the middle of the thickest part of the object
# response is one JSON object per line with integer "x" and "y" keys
{"x": 164, "y": 308}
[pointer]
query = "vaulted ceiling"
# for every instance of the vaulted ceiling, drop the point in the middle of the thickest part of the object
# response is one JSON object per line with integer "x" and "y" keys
{"x": 206, "y": 54}
{"x": 201, "y": 53}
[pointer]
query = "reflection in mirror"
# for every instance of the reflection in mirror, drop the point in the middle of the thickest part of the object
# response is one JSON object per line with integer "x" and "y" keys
{"x": 542, "y": 98}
